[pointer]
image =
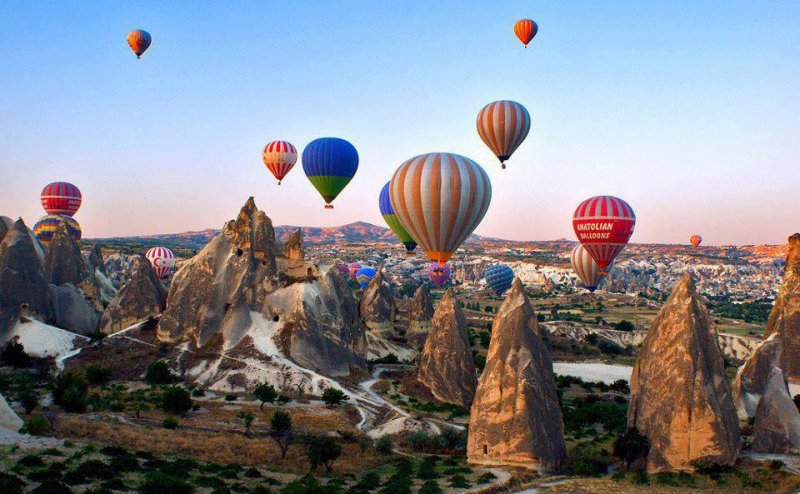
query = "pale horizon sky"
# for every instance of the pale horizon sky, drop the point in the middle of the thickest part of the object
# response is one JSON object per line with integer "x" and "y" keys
{"x": 687, "y": 110}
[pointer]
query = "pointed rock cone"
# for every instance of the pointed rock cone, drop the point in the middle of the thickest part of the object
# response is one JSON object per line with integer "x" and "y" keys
{"x": 420, "y": 314}
{"x": 64, "y": 262}
{"x": 446, "y": 366}
{"x": 785, "y": 317}
{"x": 376, "y": 307}
{"x": 142, "y": 297}
{"x": 515, "y": 417}
{"x": 680, "y": 399}
{"x": 752, "y": 378}
{"x": 777, "y": 426}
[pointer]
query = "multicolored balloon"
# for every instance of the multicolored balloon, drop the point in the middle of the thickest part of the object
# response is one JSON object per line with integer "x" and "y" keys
{"x": 364, "y": 276}
{"x": 499, "y": 278}
{"x": 438, "y": 274}
{"x": 525, "y": 29}
{"x": 385, "y": 205}
{"x": 280, "y": 157}
{"x": 695, "y": 240}
{"x": 604, "y": 224}
{"x": 440, "y": 198}
{"x": 503, "y": 125}
{"x": 330, "y": 163}
{"x": 46, "y": 227}
{"x": 61, "y": 198}
{"x": 352, "y": 269}
{"x": 162, "y": 260}
{"x": 139, "y": 41}
{"x": 584, "y": 266}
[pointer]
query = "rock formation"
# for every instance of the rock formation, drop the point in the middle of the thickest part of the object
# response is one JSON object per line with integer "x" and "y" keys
{"x": 752, "y": 378}
{"x": 72, "y": 310}
{"x": 680, "y": 399}
{"x": 142, "y": 297}
{"x": 293, "y": 250}
{"x": 420, "y": 313}
{"x": 64, "y": 262}
{"x": 446, "y": 366}
{"x": 95, "y": 259}
{"x": 376, "y": 307}
{"x": 777, "y": 425}
{"x": 515, "y": 417}
{"x": 785, "y": 317}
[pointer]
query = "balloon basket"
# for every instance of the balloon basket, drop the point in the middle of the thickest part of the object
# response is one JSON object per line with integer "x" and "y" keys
{"x": 503, "y": 166}
{"x": 329, "y": 206}
{"x": 410, "y": 254}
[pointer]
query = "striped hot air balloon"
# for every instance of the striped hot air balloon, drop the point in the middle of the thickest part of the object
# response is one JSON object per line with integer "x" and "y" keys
{"x": 525, "y": 29}
{"x": 280, "y": 157}
{"x": 587, "y": 270}
{"x": 352, "y": 269}
{"x": 61, "y": 198}
{"x": 695, "y": 240}
{"x": 385, "y": 205}
{"x": 604, "y": 224}
{"x": 503, "y": 125}
{"x": 330, "y": 163}
{"x": 364, "y": 276}
{"x": 46, "y": 227}
{"x": 438, "y": 274}
{"x": 499, "y": 278}
{"x": 139, "y": 41}
{"x": 440, "y": 198}
{"x": 162, "y": 260}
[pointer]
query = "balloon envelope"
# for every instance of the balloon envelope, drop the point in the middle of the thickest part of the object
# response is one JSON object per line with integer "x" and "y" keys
{"x": 279, "y": 157}
{"x": 46, "y": 227}
{"x": 162, "y": 260}
{"x": 364, "y": 276}
{"x": 503, "y": 125}
{"x": 139, "y": 41}
{"x": 586, "y": 268}
{"x": 330, "y": 163}
{"x": 695, "y": 240}
{"x": 525, "y": 29}
{"x": 604, "y": 224}
{"x": 387, "y": 211}
{"x": 438, "y": 274}
{"x": 499, "y": 278}
{"x": 440, "y": 198}
{"x": 61, "y": 198}
{"x": 353, "y": 268}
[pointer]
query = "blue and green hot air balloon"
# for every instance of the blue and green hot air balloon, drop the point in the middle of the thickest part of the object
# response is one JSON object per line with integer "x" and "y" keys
{"x": 330, "y": 163}
{"x": 499, "y": 278}
{"x": 364, "y": 276}
{"x": 387, "y": 211}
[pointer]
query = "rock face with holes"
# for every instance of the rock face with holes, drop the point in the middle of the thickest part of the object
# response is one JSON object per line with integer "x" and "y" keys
{"x": 680, "y": 398}
{"x": 785, "y": 317}
{"x": 293, "y": 250}
{"x": 515, "y": 418}
{"x": 752, "y": 377}
{"x": 142, "y": 298}
{"x": 376, "y": 307}
{"x": 240, "y": 301}
{"x": 446, "y": 366}
{"x": 420, "y": 314}
{"x": 777, "y": 426}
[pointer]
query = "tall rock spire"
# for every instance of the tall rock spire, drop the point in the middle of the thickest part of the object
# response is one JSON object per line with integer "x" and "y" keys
{"x": 785, "y": 317}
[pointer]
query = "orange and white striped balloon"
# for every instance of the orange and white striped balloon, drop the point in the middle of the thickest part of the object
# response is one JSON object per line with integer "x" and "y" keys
{"x": 503, "y": 125}
{"x": 440, "y": 198}
{"x": 280, "y": 157}
{"x": 584, "y": 266}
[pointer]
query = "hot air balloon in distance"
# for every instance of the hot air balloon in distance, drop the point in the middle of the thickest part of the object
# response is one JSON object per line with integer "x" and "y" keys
{"x": 46, "y": 227}
{"x": 503, "y": 125}
{"x": 695, "y": 240}
{"x": 525, "y": 29}
{"x": 344, "y": 269}
{"x": 280, "y": 157}
{"x": 438, "y": 274}
{"x": 440, "y": 198}
{"x": 499, "y": 278}
{"x": 139, "y": 41}
{"x": 364, "y": 276}
{"x": 61, "y": 198}
{"x": 330, "y": 163}
{"x": 352, "y": 269}
{"x": 162, "y": 260}
{"x": 584, "y": 266}
{"x": 604, "y": 224}
{"x": 385, "y": 205}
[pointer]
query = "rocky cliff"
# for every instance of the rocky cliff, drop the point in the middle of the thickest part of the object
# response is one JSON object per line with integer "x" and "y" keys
{"x": 785, "y": 317}
{"x": 420, "y": 313}
{"x": 752, "y": 377}
{"x": 777, "y": 426}
{"x": 142, "y": 297}
{"x": 376, "y": 307}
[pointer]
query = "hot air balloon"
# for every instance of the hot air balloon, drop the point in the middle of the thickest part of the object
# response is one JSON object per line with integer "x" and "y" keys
{"x": 139, "y": 41}
{"x": 162, "y": 260}
{"x": 61, "y": 198}
{"x": 440, "y": 198}
{"x": 587, "y": 270}
{"x": 438, "y": 274}
{"x": 330, "y": 163}
{"x": 695, "y": 240}
{"x": 385, "y": 205}
{"x": 353, "y": 268}
{"x": 46, "y": 227}
{"x": 604, "y": 224}
{"x": 280, "y": 157}
{"x": 499, "y": 278}
{"x": 525, "y": 29}
{"x": 503, "y": 125}
{"x": 364, "y": 276}
{"x": 343, "y": 268}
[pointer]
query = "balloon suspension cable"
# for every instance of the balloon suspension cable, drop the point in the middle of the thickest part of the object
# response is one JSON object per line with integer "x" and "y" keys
{"x": 329, "y": 206}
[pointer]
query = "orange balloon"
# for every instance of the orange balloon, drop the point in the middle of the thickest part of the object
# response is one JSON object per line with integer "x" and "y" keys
{"x": 695, "y": 240}
{"x": 525, "y": 29}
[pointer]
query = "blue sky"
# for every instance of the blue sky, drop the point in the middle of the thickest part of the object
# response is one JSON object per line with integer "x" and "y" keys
{"x": 688, "y": 110}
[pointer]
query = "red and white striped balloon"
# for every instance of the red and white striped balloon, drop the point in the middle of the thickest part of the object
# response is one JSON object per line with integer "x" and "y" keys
{"x": 604, "y": 224}
{"x": 280, "y": 157}
{"x": 61, "y": 198}
{"x": 584, "y": 266}
{"x": 162, "y": 260}
{"x": 503, "y": 125}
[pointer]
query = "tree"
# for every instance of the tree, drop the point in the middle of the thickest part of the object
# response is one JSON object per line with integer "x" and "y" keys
{"x": 175, "y": 399}
{"x": 97, "y": 374}
{"x": 631, "y": 446}
{"x": 265, "y": 393}
{"x": 158, "y": 373}
{"x": 384, "y": 445}
{"x": 247, "y": 418}
{"x": 70, "y": 392}
{"x": 363, "y": 445}
{"x": 624, "y": 326}
{"x": 323, "y": 451}
{"x": 280, "y": 430}
{"x": 13, "y": 354}
{"x": 29, "y": 400}
{"x": 333, "y": 396}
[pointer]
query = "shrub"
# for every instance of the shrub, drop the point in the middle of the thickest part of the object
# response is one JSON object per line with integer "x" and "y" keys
{"x": 29, "y": 400}
{"x": 796, "y": 400}
{"x": 487, "y": 478}
{"x": 158, "y": 373}
{"x": 175, "y": 399}
{"x": 621, "y": 385}
{"x": 70, "y": 392}
{"x": 368, "y": 482}
{"x": 10, "y": 484}
{"x": 13, "y": 354}
{"x": 459, "y": 482}
{"x": 631, "y": 446}
{"x": 323, "y": 451}
{"x": 97, "y": 374}
{"x": 161, "y": 483}
{"x": 36, "y": 425}
{"x": 430, "y": 487}
{"x": 624, "y": 326}
{"x": 265, "y": 393}
{"x": 52, "y": 487}
{"x": 427, "y": 468}
{"x": 486, "y": 338}
{"x": 230, "y": 397}
{"x": 280, "y": 430}
{"x": 247, "y": 417}
{"x": 384, "y": 445}
{"x": 170, "y": 423}
{"x": 198, "y": 392}
{"x": 587, "y": 459}
{"x": 333, "y": 396}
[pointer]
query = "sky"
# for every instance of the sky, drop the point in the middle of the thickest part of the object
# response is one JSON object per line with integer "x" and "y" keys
{"x": 687, "y": 110}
